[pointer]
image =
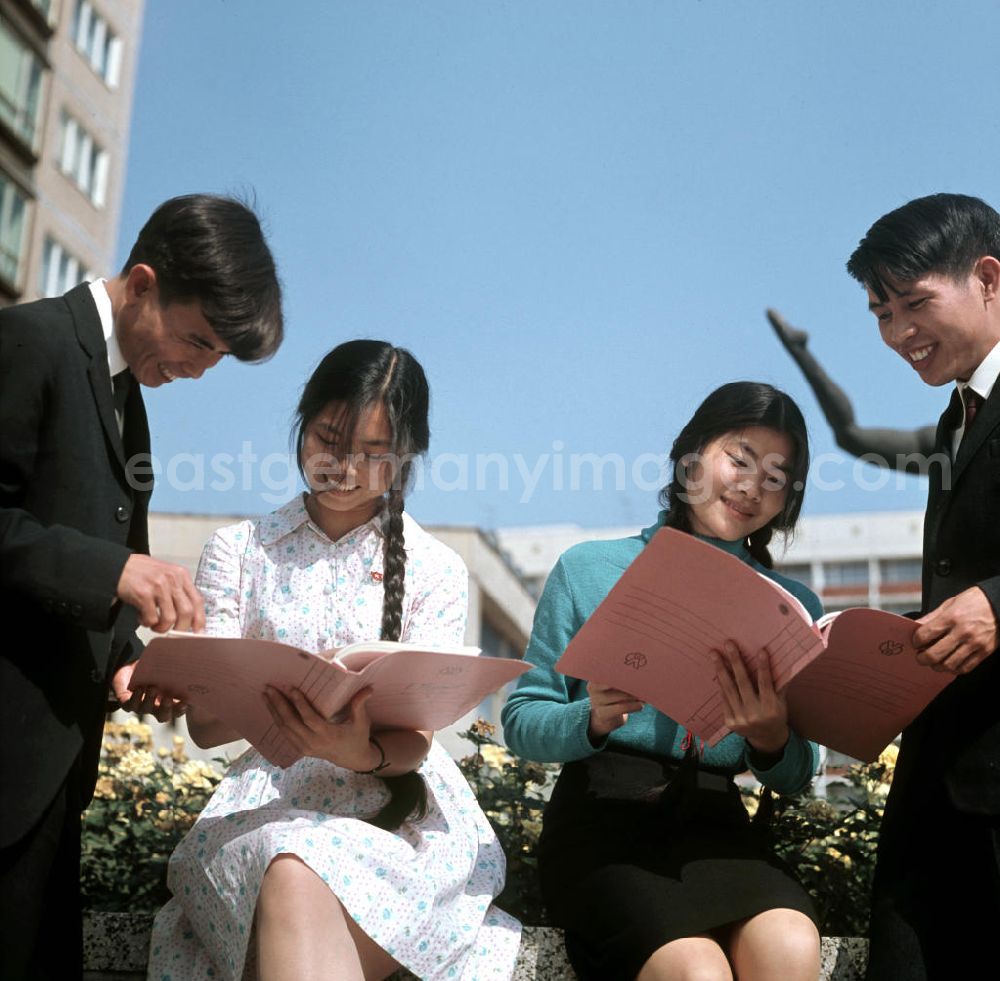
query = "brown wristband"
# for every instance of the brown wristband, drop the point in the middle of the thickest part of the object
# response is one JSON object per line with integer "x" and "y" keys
{"x": 382, "y": 763}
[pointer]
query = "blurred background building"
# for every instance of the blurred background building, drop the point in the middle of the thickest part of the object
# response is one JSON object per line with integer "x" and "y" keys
{"x": 867, "y": 559}
{"x": 67, "y": 72}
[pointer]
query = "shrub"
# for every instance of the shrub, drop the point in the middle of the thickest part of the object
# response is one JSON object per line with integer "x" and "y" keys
{"x": 510, "y": 792}
{"x": 832, "y": 847}
{"x": 143, "y": 804}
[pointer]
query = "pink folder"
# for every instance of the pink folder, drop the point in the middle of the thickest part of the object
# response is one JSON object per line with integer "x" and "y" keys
{"x": 413, "y": 687}
{"x": 852, "y": 681}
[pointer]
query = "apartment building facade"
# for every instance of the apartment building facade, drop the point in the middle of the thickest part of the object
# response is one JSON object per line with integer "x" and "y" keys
{"x": 67, "y": 74}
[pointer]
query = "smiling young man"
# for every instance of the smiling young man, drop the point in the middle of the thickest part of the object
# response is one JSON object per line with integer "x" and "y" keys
{"x": 932, "y": 272}
{"x": 75, "y": 579}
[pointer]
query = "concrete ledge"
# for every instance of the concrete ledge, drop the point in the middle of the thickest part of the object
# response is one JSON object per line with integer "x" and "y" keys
{"x": 116, "y": 946}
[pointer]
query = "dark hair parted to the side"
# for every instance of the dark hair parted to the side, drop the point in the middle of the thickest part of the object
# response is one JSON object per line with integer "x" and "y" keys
{"x": 941, "y": 233}
{"x": 731, "y": 409}
{"x": 362, "y": 374}
{"x": 211, "y": 249}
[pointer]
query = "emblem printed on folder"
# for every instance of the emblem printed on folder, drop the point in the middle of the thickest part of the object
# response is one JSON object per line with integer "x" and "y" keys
{"x": 890, "y": 648}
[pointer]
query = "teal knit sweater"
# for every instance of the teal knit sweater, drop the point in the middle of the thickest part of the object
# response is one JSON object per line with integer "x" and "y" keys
{"x": 547, "y": 715}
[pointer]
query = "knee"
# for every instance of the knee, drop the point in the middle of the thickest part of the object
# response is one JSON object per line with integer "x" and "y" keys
{"x": 687, "y": 959}
{"x": 286, "y": 887}
{"x": 798, "y": 941}
{"x": 786, "y": 937}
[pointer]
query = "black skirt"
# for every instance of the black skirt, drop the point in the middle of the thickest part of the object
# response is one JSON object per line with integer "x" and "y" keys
{"x": 637, "y": 851}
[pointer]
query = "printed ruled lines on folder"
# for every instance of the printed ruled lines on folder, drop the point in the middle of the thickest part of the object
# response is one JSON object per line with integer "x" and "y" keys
{"x": 861, "y": 683}
{"x": 664, "y": 622}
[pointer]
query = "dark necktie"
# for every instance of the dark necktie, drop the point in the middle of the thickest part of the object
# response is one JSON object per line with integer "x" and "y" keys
{"x": 122, "y": 383}
{"x": 973, "y": 403}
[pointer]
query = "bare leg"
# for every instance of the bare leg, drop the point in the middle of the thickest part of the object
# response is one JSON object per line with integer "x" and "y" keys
{"x": 304, "y": 932}
{"x": 779, "y": 943}
{"x": 688, "y": 959}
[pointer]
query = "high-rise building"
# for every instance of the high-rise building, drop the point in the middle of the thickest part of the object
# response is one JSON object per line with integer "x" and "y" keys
{"x": 67, "y": 71}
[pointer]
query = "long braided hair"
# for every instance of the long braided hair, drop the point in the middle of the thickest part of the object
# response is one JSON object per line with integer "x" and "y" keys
{"x": 362, "y": 374}
{"x": 731, "y": 408}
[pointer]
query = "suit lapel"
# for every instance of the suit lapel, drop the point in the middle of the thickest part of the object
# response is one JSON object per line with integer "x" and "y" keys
{"x": 987, "y": 419}
{"x": 91, "y": 337}
{"x": 941, "y": 477}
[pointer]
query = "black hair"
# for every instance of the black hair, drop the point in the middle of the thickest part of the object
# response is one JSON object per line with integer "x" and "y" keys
{"x": 940, "y": 233}
{"x": 732, "y": 408}
{"x": 362, "y": 374}
{"x": 211, "y": 250}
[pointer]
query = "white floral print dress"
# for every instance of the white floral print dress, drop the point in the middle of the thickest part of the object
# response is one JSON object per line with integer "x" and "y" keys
{"x": 423, "y": 893}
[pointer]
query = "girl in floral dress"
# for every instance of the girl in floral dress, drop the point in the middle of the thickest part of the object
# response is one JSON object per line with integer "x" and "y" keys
{"x": 371, "y": 851}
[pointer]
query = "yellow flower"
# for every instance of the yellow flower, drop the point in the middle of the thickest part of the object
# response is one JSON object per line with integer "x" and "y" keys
{"x": 195, "y": 775}
{"x": 483, "y": 729}
{"x": 105, "y": 788}
{"x": 836, "y": 853}
{"x": 137, "y": 763}
{"x": 178, "y": 754}
{"x": 495, "y": 755}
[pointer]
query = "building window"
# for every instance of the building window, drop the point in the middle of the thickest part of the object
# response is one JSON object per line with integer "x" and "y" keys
{"x": 801, "y": 573}
{"x": 13, "y": 210}
{"x": 20, "y": 84}
{"x": 845, "y": 573}
{"x": 492, "y": 643}
{"x": 84, "y": 161}
{"x": 900, "y": 570}
{"x": 97, "y": 43}
{"x": 900, "y": 608}
{"x": 61, "y": 271}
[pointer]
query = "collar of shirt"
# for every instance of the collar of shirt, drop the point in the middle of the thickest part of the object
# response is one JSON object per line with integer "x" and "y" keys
{"x": 116, "y": 361}
{"x": 984, "y": 378}
{"x": 293, "y": 515}
{"x": 982, "y": 382}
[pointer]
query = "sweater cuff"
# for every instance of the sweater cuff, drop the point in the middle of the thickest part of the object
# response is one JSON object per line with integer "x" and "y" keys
{"x": 793, "y": 771}
{"x": 579, "y": 721}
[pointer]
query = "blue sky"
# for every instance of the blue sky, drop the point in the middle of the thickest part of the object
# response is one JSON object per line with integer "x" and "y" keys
{"x": 574, "y": 213}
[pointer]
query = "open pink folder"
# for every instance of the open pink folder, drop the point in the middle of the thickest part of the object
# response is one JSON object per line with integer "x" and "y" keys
{"x": 852, "y": 680}
{"x": 413, "y": 687}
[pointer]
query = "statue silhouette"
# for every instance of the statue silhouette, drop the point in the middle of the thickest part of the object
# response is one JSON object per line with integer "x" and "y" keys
{"x": 898, "y": 449}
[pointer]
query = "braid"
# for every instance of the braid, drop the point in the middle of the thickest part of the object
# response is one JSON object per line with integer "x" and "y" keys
{"x": 407, "y": 792}
{"x": 757, "y": 544}
{"x": 395, "y": 567}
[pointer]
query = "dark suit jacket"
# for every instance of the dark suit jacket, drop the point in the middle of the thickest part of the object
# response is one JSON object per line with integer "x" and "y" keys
{"x": 68, "y": 522}
{"x": 960, "y": 731}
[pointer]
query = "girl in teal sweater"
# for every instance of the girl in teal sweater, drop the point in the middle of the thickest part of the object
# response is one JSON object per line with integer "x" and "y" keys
{"x": 648, "y": 859}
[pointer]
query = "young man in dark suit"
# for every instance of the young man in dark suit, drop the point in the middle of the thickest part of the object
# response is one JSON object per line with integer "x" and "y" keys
{"x": 75, "y": 579}
{"x": 932, "y": 272}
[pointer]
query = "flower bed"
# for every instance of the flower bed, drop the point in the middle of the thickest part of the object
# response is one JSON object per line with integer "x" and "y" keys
{"x": 146, "y": 800}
